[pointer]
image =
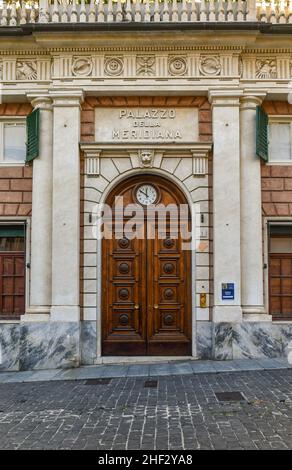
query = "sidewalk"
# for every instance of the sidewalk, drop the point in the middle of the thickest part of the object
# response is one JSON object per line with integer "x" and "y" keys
{"x": 145, "y": 370}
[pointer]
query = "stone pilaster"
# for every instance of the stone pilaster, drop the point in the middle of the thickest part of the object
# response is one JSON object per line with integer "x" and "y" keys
{"x": 66, "y": 206}
{"x": 226, "y": 203}
{"x": 251, "y": 216}
{"x": 41, "y": 224}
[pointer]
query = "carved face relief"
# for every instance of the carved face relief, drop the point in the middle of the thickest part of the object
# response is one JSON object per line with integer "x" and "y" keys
{"x": 210, "y": 65}
{"x": 146, "y": 158}
{"x": 82, "y": 66}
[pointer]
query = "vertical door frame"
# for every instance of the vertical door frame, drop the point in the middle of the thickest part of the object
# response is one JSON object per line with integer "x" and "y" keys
{"x": 27, "y": 222}
{"x": 115, "y": 182}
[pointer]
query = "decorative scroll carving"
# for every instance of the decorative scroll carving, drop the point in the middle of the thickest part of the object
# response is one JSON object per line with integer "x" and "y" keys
{"x": 210, "y": 65}
{"x": 145, "y": 65}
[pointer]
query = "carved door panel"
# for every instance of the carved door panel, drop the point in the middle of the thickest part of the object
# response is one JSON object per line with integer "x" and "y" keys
{"x": 146, "y": 304}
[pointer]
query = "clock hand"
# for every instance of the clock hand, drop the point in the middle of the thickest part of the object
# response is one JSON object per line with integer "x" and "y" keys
{"x": 145, "y": 194}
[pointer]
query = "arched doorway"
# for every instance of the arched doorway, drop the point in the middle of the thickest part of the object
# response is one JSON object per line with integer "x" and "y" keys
{"x": 146, "y": 281}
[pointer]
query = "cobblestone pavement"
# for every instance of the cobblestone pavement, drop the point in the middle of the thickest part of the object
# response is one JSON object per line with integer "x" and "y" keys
{"x": 183, "y": 412}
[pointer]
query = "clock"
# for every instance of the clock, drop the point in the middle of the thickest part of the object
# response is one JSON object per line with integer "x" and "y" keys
{"x": 146, "y": 194}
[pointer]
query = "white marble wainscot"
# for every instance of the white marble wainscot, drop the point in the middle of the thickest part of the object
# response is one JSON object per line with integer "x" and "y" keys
{"x": 260, "y": 339}
{"x": 88, "y": 342}
{"x": 49, "y": 345}
{"x": 9, "y": 346}
{"x": 222, "y": 341}
{"x": 204, "y": 340}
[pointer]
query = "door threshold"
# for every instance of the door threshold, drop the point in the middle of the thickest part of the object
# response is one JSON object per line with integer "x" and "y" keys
{"x": 141, "y": 359}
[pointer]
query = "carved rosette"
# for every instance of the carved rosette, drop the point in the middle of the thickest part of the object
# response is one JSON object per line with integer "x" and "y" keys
{"x": 210, "y": 65}
{"x": 177, "y": 66}
{"x": 266, "y": 69}
{"x": 145, "y": 65}
{"x": 82, "y": 66}
{"x": 113, "y": 66}
{"x": 26, "y": 70}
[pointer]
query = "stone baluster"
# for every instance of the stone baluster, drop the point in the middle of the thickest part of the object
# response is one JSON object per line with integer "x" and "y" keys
{"x": 55, "y": 12}
{"x": 4, "y": 19}
{"x": 33, "y": 14}
{"x": 119, "y": 12}
{"x": 74, "y": 14}
{"x": 264, "y": 14}
{"x": 174, "y": 16}
{"x": 64, "y": 15}
{"x": 203, "y": 11}
{"x": 13, "y": 15}
{"x": 147, "y": 12}
{"x": 100, "y": 12}
{"x": 43, "y": 11}
{"x": 110, "y": 15}
{"x": 138, "y": 15}
{"x": 289, "y": 11}
{"x": 128, "y": 10}
{"x": 184, "y": 12}
{"x": 83, "y": 13}
{"x": 91, "y": 14}
{"x": 23, "y": 15}
{"x": 221, "y": 11}
{"x": 240, "y": 11}
{"x": 282, "y": 12}
{"x": 212, "y": 11}
{"x": 272, "y": 17}
{"x": 193, "y": 16}
{"x": 230, "y": 15}
{"x": 251, "y": 10}
{"x": 156, "y": 11}
{"x": 165, "y": 11}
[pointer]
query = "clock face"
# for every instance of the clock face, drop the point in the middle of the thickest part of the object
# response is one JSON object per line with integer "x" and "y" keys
{"x": 146, "y": 194}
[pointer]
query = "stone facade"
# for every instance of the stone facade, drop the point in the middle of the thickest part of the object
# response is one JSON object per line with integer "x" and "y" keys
{"x": 72, "y": 77}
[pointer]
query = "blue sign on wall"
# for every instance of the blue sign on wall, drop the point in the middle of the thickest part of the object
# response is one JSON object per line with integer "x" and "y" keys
{"x": 228, "y": 291}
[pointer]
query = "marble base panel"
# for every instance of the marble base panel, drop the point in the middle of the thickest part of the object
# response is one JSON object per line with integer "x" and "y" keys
{"x": 39, "y": 345}
{"x": 204, "y": 340}
{"x": 52, "y": 345}
{"x": 9, "y": 346}
{"x": 88, "y": 342}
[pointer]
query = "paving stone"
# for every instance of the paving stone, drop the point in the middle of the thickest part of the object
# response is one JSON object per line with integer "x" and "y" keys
{"x": 181, "y": 413}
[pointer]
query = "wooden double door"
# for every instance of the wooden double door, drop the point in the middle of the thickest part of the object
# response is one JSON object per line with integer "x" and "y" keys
{"x": 146, "y": 280}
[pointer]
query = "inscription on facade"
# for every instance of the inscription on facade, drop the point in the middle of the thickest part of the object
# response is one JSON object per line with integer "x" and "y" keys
{"x": 146, "y": 124}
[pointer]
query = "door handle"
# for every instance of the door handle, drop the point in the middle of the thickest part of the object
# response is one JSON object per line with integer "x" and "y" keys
{"x": 136, "y": 307}
{"x": 155, "y": 306}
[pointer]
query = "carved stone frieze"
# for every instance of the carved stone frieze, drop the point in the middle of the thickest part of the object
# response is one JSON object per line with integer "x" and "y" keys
{"x": 26, "y": 70}
{"x": 145, "y": 65}
{"x": 113, "y": 66}
{"x": 266, "y": 68}
{"x": 210, "y": 65}
{"x": 177, "y": 66}
{"x": 82, "y": 66}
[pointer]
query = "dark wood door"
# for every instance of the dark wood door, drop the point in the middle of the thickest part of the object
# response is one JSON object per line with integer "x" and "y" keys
{"x": 12, "y": 283}
{"x": 146, "y": 294}
{"x": 280, "y": 288}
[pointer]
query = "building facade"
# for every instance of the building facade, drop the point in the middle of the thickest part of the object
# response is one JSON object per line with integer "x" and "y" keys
{"x": 188, "y": 102}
